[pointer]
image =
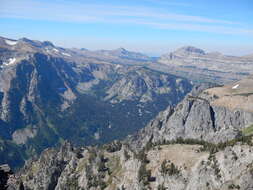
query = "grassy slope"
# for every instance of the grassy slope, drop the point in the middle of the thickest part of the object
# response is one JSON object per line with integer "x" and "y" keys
{"x": 248, "y": 131}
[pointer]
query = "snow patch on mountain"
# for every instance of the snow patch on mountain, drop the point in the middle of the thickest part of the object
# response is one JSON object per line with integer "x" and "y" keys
{"x": 11, "y": 42}
{"x": 118, "y": 66}
{"x": 236, "y": 86}
{"x": 66, "y": 54}
{"x": 56, "y": 50}
{"x": 10, "y": 61}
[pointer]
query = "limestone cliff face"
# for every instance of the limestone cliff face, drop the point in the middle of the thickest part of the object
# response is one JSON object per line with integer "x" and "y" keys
{"x": 196, "y": 119}
{"x": 200, "y": 117}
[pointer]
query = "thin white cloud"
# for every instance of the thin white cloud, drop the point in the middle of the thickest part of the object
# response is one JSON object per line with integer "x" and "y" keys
{"x": 94, "y": 13}
{"x": 202, "y": 28}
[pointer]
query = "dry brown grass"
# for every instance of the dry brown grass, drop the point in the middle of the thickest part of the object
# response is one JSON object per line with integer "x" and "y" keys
{"x": 239, "y": 98}
{"x": 183, "y": 156}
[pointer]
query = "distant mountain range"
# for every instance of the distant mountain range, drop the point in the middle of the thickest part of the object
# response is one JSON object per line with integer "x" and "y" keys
{"x": 119, "y": 56}
{"x": 189, "y": 62}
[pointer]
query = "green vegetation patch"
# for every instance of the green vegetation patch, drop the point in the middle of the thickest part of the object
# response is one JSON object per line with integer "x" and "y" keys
{"x": 248, "y": 131}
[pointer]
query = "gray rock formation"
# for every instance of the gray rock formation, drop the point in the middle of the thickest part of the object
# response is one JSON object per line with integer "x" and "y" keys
{"x": 174, "y": 166}
{"x": 21, "y": 136}
{"x": 200, "y": 117}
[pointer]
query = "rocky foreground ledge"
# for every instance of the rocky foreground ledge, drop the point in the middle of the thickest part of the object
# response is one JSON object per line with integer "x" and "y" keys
{"x": 178, "y": 165}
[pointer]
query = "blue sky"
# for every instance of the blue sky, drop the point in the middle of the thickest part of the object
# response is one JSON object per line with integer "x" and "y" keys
{"x": 150, "y": 26}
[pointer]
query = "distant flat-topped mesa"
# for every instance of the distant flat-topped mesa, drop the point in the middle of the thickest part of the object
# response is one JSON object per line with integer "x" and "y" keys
{"x": 238, "y": 95}
{"x": 197, "y": 64}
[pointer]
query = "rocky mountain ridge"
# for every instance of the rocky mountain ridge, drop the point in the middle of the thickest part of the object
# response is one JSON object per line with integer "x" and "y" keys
{"x": 188, "y": 61}
{"x": 212, "y": 115}
{"x": 44, "y": 92}
{"x": 118, "y": 56}
{"x": 204, "y": 142}
{"x": 172, "y": 152}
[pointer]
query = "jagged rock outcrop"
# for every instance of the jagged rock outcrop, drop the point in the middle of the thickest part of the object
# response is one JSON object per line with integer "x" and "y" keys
{"x": 174, "y": 166}
{"x": 49, "y": 167}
